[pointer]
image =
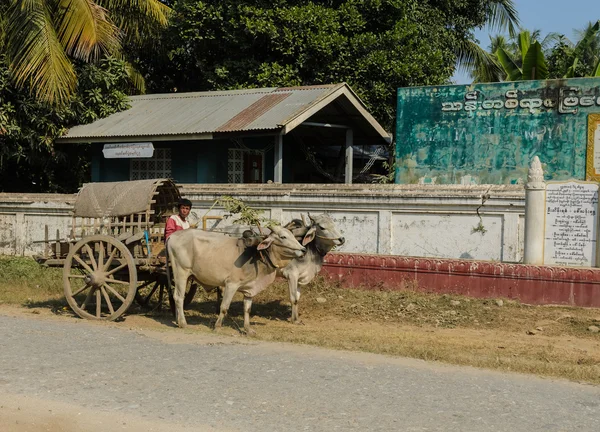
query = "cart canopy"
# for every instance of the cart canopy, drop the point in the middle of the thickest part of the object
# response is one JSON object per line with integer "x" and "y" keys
{"x": 115, "y": 199}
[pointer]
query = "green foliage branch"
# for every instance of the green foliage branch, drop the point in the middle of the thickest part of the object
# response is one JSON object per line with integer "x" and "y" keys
{"x": 375, "y": 46}
{"x": 29, "y": 159}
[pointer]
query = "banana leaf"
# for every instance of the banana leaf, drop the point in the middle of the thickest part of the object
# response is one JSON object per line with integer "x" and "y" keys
{"x": 534, "y": 66}
{"x": 513, "y": 73}
{"x": 571, "y": 71}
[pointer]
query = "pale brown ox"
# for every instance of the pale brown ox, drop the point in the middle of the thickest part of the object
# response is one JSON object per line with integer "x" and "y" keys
{"x": 319, "y": 235}
{"x": 215, "y": 259}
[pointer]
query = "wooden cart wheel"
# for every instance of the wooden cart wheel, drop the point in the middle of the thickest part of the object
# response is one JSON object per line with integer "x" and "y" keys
{"x": 150, "y": 294}
{"x": 99, "y": 278}
{"x": 190, "y": 292}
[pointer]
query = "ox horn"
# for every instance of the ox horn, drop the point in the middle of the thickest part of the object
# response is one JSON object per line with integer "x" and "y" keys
{"x": 275, "y": 228}
{"x": 305, "y": 220}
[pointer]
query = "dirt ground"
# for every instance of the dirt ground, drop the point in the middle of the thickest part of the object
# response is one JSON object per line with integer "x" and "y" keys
{"x": 32, "y": 414}
{"x": 503, "y": 334}
{"x": 545, "y": 341}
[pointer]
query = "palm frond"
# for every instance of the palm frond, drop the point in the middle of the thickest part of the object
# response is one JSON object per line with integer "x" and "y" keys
{"x": 85, "y": 31}
{"x": 503, "y": 15}
{"x": 498, "y": 41}
{"x": 135, "y": 77}
{"x": 482, "y": 65}
{"x": 550, "y": 39}
{"x": 138, "y": 19}
{"x": 37, "y": 58}
{"x": 587, "y": 38}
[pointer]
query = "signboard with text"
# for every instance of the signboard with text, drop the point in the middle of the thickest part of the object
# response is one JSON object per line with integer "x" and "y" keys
{"x": 488, "y": 133}
{"x": 128, "y": 150}
{"x": 571, "y": 220}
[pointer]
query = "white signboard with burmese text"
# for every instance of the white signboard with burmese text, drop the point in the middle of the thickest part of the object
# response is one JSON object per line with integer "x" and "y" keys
{"x": 571, "y": 221}
{"x": 128, "y": 150}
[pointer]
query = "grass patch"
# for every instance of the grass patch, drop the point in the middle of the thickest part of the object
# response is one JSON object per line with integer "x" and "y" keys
{"x": 508, "y": 336}
{"x": 23, "y": 281}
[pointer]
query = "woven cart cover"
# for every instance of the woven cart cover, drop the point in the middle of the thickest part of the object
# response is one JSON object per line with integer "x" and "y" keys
{"x": 111, "y": 199}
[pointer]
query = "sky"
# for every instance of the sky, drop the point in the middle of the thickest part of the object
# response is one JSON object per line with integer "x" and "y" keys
{"x": 560, "y": 16}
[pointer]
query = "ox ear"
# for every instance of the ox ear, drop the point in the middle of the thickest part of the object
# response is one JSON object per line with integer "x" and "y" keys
{"x": 251, "y": 239}
{"x": 265, "y": 243}
{"x": 309, "y": 236}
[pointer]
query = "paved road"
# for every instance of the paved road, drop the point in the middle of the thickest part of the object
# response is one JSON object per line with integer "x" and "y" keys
{"x": 254, "y": 386}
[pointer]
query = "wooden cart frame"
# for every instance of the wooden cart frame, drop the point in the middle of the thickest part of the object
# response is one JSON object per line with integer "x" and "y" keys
{"x": 115, "y": 252}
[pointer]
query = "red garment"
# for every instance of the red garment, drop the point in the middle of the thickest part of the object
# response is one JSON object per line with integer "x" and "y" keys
{"x": 175, "y": 223}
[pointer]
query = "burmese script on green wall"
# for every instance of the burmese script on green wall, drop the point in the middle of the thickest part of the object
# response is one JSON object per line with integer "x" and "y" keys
{"x": 488, "y": 133}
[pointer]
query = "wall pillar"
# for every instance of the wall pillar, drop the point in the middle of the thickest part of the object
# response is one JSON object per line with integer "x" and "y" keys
{"x": 349, "y": 155}
{"x": 278, "y": 150}
{"x": 535, "y": 203}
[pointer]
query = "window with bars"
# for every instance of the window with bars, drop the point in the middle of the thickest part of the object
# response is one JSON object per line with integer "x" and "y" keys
{"x": 235, "y": 171}
{"x": 243, "y": 166}
{"x": 158, "y": 166}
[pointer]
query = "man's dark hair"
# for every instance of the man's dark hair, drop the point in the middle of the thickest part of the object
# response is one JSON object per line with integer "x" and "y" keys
{"x": 184, "y": 202}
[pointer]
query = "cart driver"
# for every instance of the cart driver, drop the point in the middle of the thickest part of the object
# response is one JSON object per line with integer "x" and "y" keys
{"x": 178, "y": 221}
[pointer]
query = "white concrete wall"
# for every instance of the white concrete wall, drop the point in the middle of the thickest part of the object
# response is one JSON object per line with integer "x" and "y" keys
{"x": 23, "y": 218}
{"x": 411, "y": 220}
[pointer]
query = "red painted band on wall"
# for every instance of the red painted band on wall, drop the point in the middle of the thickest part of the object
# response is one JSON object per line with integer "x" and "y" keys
{"x": 527, "y": 283}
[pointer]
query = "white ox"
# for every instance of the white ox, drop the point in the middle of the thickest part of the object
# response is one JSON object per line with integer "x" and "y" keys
{"x": 215, "y": 260}
{"x": 319, "y": 236}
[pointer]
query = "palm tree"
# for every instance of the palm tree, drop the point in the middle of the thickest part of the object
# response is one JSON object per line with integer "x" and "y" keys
{"x": 42, "y": 38}
{"x": 587, "y": 50}
{"x": 523, "y": 56}
{"x": 500, "y": 15}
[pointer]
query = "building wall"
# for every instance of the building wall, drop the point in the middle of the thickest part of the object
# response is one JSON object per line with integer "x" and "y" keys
{"x": 421, "y": 221}
{"x": 488, "y": 133}
{"x": 202, "y": 161}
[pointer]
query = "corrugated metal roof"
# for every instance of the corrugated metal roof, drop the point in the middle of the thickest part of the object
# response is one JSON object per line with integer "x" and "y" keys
{"x": 205, "y": 112}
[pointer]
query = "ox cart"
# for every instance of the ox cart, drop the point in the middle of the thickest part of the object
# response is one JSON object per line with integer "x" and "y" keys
{"x": 114, "y": 253}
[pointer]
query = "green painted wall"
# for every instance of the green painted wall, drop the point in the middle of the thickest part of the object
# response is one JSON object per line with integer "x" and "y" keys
{"x": 183, "y": 160}
{"x": 488, "y": 133}
{"x": 107, "y": 170}
{"x": 203, "y": 161}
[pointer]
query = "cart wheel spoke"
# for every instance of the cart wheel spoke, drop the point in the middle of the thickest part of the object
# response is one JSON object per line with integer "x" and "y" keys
{"x": 110, "y": 259}
{"x": 98, "y": 304}
{"x": 83, "y": 264}
{"x": 117, "y": 281}
{"x": 90, "y": 253}
{"x": 154, "y": 288}
{"x": 140, "y": 296}
{"x": 116, "y": 269}
{"x": 101, "y": 256}
{"x": 79, "y": 291}
{"x": 115, "y": 293}
{"x": 76, "y": 276}
{"x": 87, "y": 299}
{"x": 144, "y": 295}
{"x": 108, "y": 302}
